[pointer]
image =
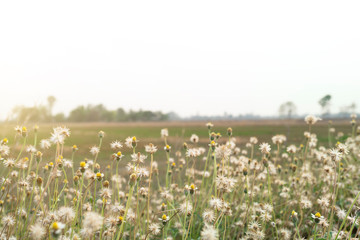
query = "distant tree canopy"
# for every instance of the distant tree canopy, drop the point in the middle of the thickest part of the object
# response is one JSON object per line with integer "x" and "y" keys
{"x": 287, "y": 109}
{"x": 324, "y": 103}
{"x": 31, "y": 114}
{"x": 51, "y": 101}
{"x": 99, "y": 113}
{"x": 89, "y": 113}
{"x": 347, "y": 110}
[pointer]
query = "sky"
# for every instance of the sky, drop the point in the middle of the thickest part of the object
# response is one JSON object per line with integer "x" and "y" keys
{"x": 191, "y": 57}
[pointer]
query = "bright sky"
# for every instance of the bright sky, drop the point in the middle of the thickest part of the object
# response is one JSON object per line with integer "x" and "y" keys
{"x": 206, "y": 57}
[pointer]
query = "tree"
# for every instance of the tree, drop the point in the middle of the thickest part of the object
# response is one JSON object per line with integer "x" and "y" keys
{"x": 30, "y": 114}
{"x": 352, "y": 107}
{"x": 172, "y": 116}
{"x": 120, "y": 115}
{"x": 325, "y": 104}
{"x": 287, "y": 109}
{"x": 345, "y": 111}
{"x": 60, "y": 117}
{"x": 89, "y": 113}
{"x": 51, "y": 102}
{"x": 77, "y": 114}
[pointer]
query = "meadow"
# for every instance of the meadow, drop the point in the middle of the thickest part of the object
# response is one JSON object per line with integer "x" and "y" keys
{"x": 273, "y": 179}
{"x": 85, "y": 134}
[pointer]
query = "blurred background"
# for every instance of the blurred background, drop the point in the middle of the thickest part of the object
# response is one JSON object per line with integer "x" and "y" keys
{"x": 86, "y": 61}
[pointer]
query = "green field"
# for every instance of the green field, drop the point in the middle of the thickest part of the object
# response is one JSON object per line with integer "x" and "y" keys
{"x": 86, "y": 135}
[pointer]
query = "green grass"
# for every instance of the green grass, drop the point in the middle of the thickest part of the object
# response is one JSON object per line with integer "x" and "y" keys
{"x": 86, "y": 135}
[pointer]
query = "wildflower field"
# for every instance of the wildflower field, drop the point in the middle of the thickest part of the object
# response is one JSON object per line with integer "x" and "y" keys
{"x": 190, "y": 180}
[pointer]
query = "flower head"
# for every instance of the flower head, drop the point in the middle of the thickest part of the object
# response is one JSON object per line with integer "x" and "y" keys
{"x": 310, "y": 119}
{"x": 265, "y": 148}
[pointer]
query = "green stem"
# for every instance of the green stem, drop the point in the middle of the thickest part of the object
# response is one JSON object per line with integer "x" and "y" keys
{"x": 94, "y": 199}
{"x": 270, "y": 199}
{"x": 215, "y": 175}
{"x": 126, "y": 210}
{"x": 347, "y": 214}
{"x": 352, "y": 227}
{"x": 149, "y": 191}
{"x": 167, "y": 171}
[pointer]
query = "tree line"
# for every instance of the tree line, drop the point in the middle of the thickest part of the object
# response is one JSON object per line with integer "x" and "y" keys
{"x": 288, "y": 109}
{"x": 99, "y": 113}
{"x": 89, "y": 113}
